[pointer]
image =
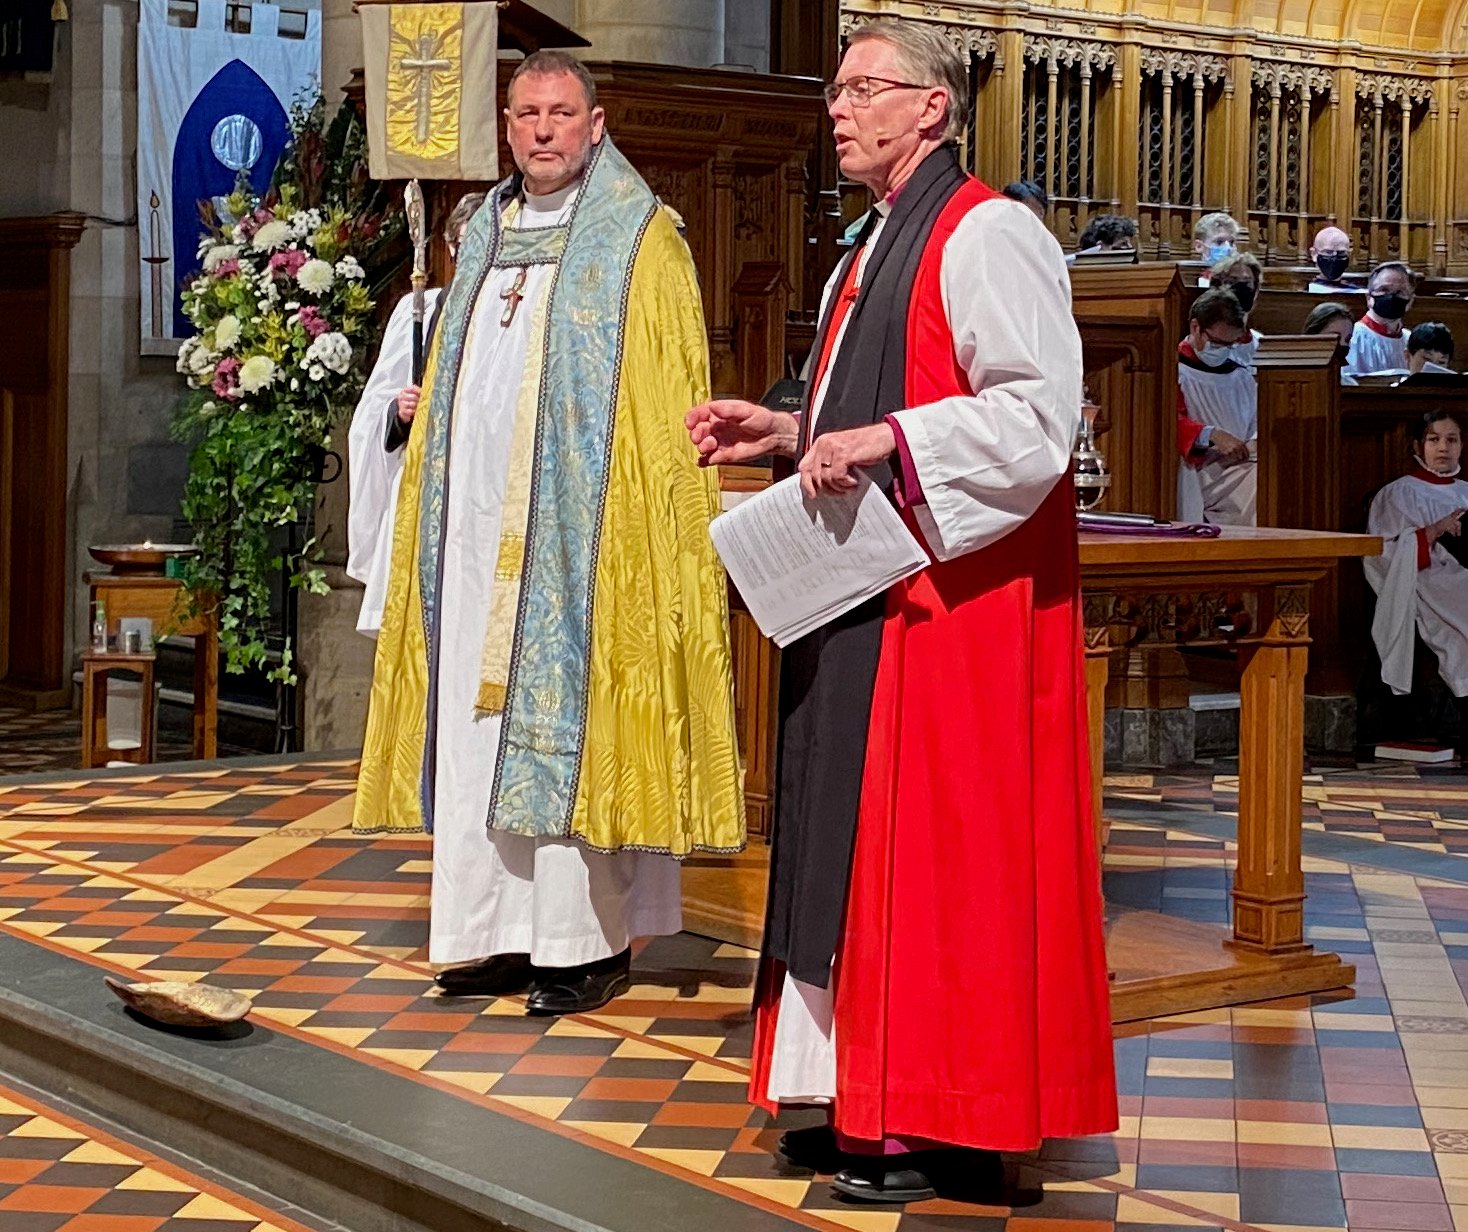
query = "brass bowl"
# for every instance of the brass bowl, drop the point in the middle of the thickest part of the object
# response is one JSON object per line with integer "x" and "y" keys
{"x": 178, "y": 1004}
{"x": 142, "y": 559}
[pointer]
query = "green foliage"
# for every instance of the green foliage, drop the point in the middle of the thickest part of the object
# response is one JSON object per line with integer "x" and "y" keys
{"x": 282, "y": 307}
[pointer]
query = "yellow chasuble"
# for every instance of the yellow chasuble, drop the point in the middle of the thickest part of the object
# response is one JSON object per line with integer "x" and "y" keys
{"x": 657, "y": 765}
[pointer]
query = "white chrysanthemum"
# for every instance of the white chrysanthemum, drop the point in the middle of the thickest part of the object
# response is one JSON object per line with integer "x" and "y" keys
{"x": 316, "y": 277}
{"x": 349, "y": 269}
{"x": 273, "y": 235}
{"x": 195, "y": 359}
{"x": 332, "y": 351}
{"x": 316, "y": 372}
{"x": 227, "y": 332}
{"x": 256, "y": 373}
{"x": 303, "y": 222}
{"x": 218, "y": 254}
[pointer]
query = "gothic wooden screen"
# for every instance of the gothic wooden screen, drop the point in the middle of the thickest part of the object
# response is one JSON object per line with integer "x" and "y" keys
{"x": 1391, "y": 116}
{"x": 1177, "y": 182}
{"x": 1066, "y": 93}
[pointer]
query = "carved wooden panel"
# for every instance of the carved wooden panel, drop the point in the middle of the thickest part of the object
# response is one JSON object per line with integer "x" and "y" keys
{"x": 1130, "y": 321}
{"x": 35, "y": 322}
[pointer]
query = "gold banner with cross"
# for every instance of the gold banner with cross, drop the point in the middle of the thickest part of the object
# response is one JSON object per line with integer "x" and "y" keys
{"x": 430, "y": 73}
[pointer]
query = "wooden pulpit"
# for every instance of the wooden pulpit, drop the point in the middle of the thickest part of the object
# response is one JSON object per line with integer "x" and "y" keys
{"x": 1299, "y": 472}
{"x": 1131, "y": 320}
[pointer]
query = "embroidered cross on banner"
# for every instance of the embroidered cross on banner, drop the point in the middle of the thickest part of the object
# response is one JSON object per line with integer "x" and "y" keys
{"x": 426, "y": 63}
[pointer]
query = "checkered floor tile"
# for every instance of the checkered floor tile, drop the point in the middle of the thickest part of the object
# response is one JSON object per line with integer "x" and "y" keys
{"x": 1299, "y": 1114}
{"x": 59, "y": 1174}
{"x": 1424, "y": 808}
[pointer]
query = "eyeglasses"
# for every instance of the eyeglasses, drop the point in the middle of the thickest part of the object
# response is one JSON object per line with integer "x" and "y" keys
{"x": 860, "y": 91}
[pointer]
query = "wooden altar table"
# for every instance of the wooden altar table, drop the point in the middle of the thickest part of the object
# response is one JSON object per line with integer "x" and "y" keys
{"x": 1137, "y": 588}
{"x": 1152, "y": 587}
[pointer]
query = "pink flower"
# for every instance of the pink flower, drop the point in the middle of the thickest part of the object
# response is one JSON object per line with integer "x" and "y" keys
{"x": 225, "y": 268}
{"x": 313, "y": 322}
{"x": 225, "y": 375}
{"x": 290, "y": 261}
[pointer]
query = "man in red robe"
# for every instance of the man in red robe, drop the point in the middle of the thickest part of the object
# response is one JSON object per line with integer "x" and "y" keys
{"x": 934, "y": 972}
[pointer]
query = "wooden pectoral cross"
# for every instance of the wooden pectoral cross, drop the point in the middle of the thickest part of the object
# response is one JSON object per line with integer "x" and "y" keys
{"x": 512, "y": 296}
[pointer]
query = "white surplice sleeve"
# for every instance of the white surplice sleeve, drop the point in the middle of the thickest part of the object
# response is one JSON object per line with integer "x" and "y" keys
{"x": 1393, "y": 575}
{"x": 373, "y": 473}
{"x": 985, "y": 462}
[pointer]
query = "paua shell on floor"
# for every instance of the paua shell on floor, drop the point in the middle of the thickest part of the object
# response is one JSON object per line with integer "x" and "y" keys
{"x": 177, "y": 1004}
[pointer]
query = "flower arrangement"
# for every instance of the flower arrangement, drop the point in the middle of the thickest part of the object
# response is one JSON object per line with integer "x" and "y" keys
{"x": 283, "y": 305}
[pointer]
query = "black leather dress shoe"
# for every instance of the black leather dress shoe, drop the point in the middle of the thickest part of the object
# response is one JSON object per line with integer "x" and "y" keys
{"x": 503, "y": 975}
{"x": 813, "y": 1147}
{"x": 895, "y": 1178}
{"x": 578, "y": 990}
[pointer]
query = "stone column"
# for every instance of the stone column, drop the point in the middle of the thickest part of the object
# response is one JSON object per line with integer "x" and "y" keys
{"x": 682, "y": 32}
{"x": 341, "y": 48}
{"x": 334, "y": 660}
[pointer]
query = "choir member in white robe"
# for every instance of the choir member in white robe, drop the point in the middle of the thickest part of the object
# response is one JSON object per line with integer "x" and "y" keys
{"x": 1420, "y": 586}
{"x": 538, "y": 886}
{"x": 1379, "y": 343}
{"x": 378, "y": 432}
{"x": 1430, "y": 349}
{"x": 1218, "y": 414}
{"x": 375, "y": 462}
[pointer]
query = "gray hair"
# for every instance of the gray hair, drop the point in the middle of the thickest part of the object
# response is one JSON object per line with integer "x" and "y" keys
{"x": 548, "y": 63}
{"x": 460, "y": 215}
{"x": 928, "y": 59}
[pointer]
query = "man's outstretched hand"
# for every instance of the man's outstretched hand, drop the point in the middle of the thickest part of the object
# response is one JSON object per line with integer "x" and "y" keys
{"x": 729, "y": 430}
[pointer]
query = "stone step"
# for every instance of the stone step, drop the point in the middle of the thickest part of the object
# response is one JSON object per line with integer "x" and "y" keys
{"x": 346, "y": 1141}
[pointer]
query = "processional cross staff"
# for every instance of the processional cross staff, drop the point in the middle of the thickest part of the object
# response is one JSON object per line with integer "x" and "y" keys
{"x": 418, "y": 233}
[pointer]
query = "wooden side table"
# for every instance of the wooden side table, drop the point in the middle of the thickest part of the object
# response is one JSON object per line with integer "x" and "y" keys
{"x": 163, "y": 601}
{"x": 97, "y": 667}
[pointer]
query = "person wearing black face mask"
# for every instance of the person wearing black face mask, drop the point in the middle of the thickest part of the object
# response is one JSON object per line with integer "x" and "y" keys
{"x": 1331, "y": 253}
{"x": 1242, "y": 276}
{"x": 1378, "y": 343}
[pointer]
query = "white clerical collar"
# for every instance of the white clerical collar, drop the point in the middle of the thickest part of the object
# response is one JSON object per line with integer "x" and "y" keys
{"x": 554, "y": 205}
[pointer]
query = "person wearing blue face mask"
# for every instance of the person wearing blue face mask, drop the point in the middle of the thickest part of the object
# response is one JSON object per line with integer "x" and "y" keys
{"x": 1379, "y": 343}
{"x": 1218, "y": 405}
{"x": 1215, "y": 236}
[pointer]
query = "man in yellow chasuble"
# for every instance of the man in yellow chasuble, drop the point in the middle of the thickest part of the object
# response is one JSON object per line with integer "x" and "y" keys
{"x": 552, "y": 694}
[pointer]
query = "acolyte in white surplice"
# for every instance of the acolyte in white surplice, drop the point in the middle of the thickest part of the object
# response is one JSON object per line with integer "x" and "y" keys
{"x": 1373, "y": 350}
{"x": 374, "y": 472}
{"x": 1419, "y": 587}
{"x": 1225, "y": 398}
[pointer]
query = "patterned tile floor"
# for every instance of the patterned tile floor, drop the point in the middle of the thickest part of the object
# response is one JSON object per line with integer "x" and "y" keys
{"x": 33, "y": 742}
{"x": 1302, "y": 1114}
{"x": 60, "y": 1174}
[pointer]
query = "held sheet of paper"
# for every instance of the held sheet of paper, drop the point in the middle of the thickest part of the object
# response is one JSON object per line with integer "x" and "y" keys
{"x": 801, "y": 563}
